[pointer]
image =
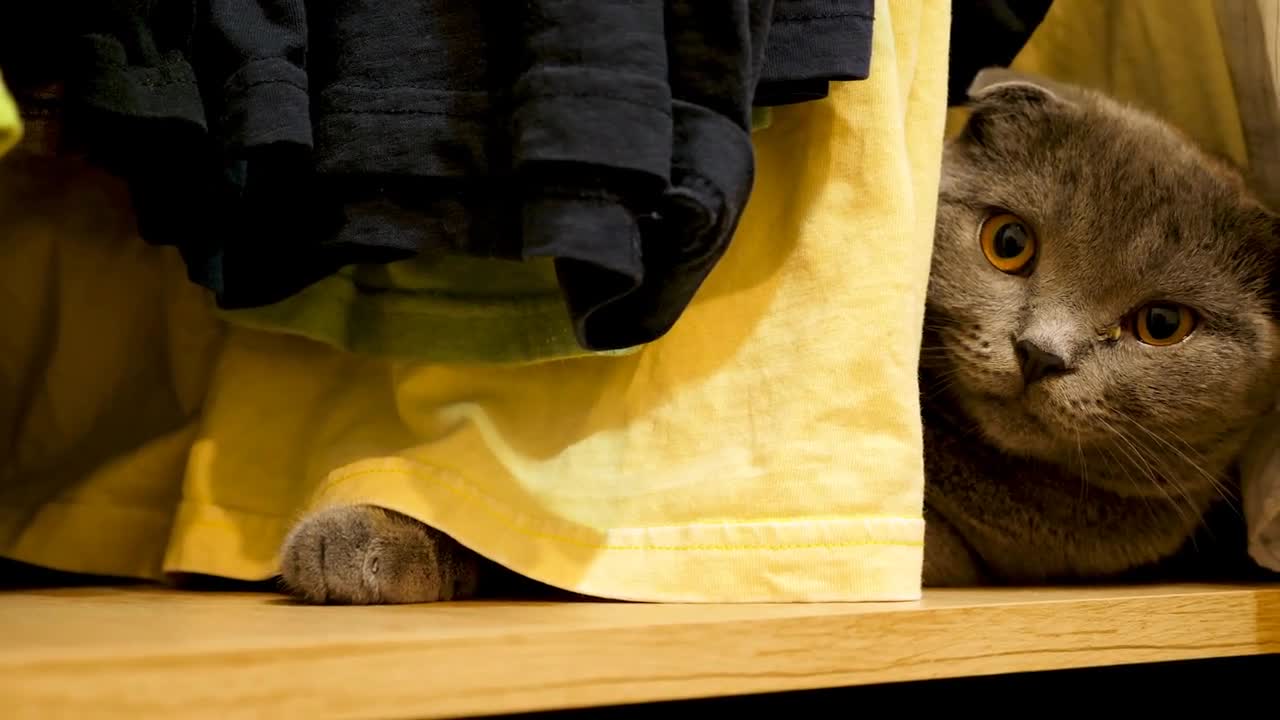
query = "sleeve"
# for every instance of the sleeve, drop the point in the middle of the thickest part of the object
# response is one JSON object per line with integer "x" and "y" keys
{"x": 813, "y": 43}
{"x": 715, "y": 49}
{"x": 134, "y": 107}
{"x": 255, "y": 57}
{"x": 591, "y": 143}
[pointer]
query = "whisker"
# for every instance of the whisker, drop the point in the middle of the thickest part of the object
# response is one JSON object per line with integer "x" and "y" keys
{"x": 1146, "y": 501}
{"x": 1172, "y": 479}
{"x": 940, "y": 382}
{"x": 1215, "y": 482}
{"x": 1151, "y": 475}
{"x": 1084, "y": 471}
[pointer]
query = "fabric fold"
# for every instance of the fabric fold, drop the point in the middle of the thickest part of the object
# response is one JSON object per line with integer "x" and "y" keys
{"x": 288, "y": 148}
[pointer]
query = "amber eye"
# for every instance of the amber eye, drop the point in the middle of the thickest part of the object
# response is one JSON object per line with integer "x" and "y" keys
{"x": 1163, "y": 324}
{"x": 1008, "y": 243}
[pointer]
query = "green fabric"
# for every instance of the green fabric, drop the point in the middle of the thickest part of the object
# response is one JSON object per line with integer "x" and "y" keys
{"x": 451, "y": 309}
{"x": 761, "y": 118}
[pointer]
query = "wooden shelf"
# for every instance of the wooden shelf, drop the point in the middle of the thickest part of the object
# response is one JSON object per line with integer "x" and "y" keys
{"x": 135, "y": 653}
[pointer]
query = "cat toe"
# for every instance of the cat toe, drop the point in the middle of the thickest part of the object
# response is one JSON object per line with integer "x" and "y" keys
{"x": 323, "y": 557}
{"x": 409, "y": 562}
{"x": 360, "y": 555}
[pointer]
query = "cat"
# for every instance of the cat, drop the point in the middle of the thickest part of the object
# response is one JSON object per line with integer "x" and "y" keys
{"x": 1100, "y": 333}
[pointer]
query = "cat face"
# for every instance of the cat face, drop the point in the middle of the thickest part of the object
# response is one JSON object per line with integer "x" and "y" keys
{"x": 1099, "y": 287}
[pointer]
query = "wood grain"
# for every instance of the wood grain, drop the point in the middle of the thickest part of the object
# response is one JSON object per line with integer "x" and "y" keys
{"x": 136, "y": 653}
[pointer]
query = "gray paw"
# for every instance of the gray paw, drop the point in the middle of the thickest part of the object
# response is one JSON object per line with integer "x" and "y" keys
{"x": 365, "y": 555}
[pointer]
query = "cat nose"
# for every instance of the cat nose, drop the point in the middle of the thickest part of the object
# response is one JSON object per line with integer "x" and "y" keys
{"x": 1037, "y": 364}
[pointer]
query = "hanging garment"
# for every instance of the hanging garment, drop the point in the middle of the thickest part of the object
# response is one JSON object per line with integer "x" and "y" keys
{"x": 278, "y": 144}
{"x": 452, "y": 308}
{"x": 813, "y": 43}
{"x": 768, "y": 448}
{"x": 988, "y": 33}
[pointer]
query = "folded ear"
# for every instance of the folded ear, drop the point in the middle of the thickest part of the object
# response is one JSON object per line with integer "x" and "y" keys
{"x": 995, "y": 82}
{"x": 1002, "y": 99}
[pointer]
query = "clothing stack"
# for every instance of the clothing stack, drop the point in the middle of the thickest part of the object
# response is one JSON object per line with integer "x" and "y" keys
{"x": 479, "y": 181}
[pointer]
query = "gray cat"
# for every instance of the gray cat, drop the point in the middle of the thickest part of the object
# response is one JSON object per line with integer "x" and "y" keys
{"x": 1100, "y": 334}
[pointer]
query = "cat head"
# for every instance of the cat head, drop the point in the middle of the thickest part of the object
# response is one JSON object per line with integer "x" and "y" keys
{"x": 1099, "y": 284}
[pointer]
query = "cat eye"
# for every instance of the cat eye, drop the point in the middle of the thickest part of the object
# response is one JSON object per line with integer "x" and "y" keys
{"x": 1008, "y": 243}
{"x": 1163, "y": 324}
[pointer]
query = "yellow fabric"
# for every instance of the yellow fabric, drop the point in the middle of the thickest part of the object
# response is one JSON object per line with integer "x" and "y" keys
{"x": 105, "y": 353}
{"x": 1172, "y": 63}
{"x": 767, "y": 449}
{"x": 440, "y": 309}
{"x": 10, "y": 122}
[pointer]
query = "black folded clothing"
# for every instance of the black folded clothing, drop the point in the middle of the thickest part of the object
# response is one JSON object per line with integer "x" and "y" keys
{"x": 276, "y": 141}
{"x": 813, "y": 43}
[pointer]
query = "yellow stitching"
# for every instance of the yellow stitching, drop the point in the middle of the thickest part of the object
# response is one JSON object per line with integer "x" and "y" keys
{"x": 350, "y": 475}
{"x": 510, "y": 520}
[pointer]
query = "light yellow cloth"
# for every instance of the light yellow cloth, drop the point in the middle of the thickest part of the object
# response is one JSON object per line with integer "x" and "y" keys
{"x": 1139, "y": 51}
{"x": 105, "y": 354}
{"x": 10, "y": 122}
{"x": 767, "y": 449}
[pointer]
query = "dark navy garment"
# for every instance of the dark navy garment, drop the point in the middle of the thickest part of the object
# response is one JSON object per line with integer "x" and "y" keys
{"x": 813, "y": 43}
{"x": 988, "y": 33}
{"x": 276, "y": 141}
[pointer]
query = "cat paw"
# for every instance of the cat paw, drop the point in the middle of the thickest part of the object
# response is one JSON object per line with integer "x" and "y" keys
{"x": 365, "y": 555}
